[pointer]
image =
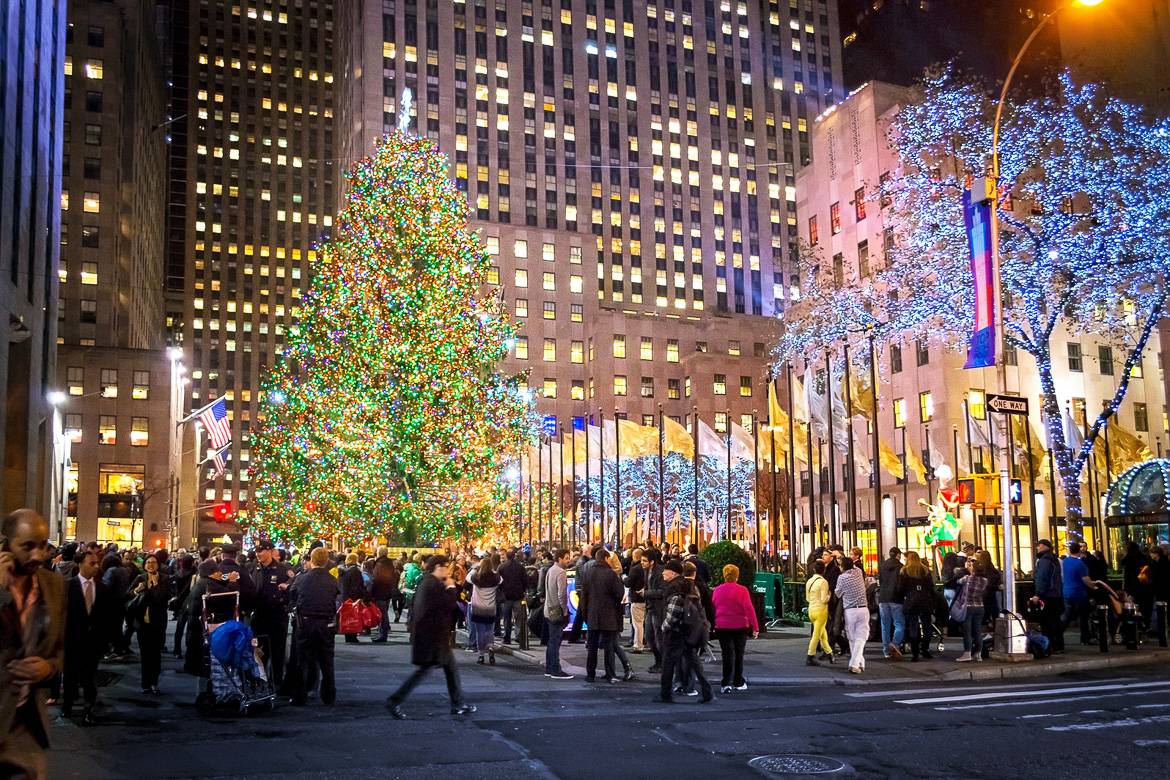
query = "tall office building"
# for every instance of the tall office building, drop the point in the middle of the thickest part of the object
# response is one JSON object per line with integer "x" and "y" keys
{"x": 251, "y": 194}
{"x": 630, "y": 167}
{"x": 112, "y": 362}
{"x": 895, "y": 40}
{"x": 32, "y": 62}
{"x": 923, "y": 386}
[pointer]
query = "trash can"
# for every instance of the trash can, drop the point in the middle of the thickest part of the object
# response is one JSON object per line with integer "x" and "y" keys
{"x": 765, "y": 585}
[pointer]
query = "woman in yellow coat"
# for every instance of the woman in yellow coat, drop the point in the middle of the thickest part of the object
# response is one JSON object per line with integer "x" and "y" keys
{"x": 816, "y": 593}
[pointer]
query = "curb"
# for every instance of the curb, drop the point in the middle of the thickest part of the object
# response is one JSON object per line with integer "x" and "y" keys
{"x": 1037, "y": 669}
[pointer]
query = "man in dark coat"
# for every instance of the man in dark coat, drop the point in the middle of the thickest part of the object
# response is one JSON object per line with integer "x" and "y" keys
{"x": 702, "y": 571}
{"x": 603, "y": 614}
{"x": 383, "y": 584}
{"x": 88, "y": 627}
{"x": 271, "y": 578}
{"x": 512, "y": 588}
{"x": 432, "y": 624}
{"x": 314, "y": 596}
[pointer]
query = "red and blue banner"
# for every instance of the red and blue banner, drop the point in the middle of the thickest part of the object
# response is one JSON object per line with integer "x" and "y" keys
{"x": 977, "y": 218}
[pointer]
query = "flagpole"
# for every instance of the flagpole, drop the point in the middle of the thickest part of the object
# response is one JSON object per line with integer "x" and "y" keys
{"x": 876, "y": 446}
{"x": 775, "y": 502}
{"x": 834, "y": 532}
{"x": 617, "y": 442}
{"x": 561, "y": 488}
{"x": 540, "y": 481}
{"x": 695, "y": 462}
{"x": 530, "y": 492}
{"x": 727, "y": 530}
{"x": 1033, "y": 525}
{"x": 601, "y": 489}
{"x": 573, "y": 508}
{"x": 991, "y": 442}
{"x": 1094, "y": 482}
{"x": 588, "y": 477}
{"x": 823, "y": 529}
{"x": 756, "y": 469}
{"x": 661, "y": 479}
{"x": 851, "y": 485}
{"x": 791, "y": 525}
{"x": 967, "y": 425}
{"x": 520, "y": 504}
{"x": 905, "y": 493}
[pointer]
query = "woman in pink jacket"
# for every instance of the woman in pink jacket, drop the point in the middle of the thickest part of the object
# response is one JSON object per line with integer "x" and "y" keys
{"x": 735, "y": 617}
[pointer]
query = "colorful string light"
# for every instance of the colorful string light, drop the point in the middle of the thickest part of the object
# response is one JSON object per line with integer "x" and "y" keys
{"x": 386, "y": 414}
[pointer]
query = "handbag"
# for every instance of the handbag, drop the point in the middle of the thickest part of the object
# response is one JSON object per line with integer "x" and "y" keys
{"x": 959, "y": 608}
{"x": 371, "y": 615}
{"x": 349, "y": 617}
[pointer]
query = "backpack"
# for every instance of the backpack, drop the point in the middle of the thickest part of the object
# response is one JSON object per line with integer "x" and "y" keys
{"x": 694, "y": 623}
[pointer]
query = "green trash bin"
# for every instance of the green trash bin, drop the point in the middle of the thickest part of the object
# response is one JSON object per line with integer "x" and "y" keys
{"x": 765, "y": 583}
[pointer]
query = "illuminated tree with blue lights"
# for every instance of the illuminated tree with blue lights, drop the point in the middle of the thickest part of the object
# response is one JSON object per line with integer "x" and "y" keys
{"x": 1084, "y": 221}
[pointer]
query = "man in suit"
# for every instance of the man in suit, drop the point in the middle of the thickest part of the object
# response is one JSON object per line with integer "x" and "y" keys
{"x": 32, "y": 623}
{"x": 86, "y": 632}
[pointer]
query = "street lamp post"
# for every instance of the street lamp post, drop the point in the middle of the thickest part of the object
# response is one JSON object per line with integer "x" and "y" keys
{"x": 1000, "y": 365}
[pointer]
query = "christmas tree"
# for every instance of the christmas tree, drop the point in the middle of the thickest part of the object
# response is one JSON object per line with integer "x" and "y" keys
{"x": 386, "y": 412}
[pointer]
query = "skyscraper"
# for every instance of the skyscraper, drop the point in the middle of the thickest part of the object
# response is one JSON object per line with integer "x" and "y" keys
{"x": 251, "y": 194}
{"x": 112, "y": 361}
{"x": 32, "y": 57}
{"x": 630, "y": 168}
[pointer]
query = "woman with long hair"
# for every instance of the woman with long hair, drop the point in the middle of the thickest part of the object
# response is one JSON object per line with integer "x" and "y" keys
{"x": 916, "y": 587}
{"x": 149, "y": 594}
{"x": 485, "y": 585}
{"x": 970, "y": 598}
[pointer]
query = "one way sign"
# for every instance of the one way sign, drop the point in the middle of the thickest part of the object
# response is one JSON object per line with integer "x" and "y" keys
{"x": 1007, "y": 404}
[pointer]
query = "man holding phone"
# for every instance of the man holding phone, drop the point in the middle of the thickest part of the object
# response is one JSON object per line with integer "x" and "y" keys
{"x": 32, "y": 622}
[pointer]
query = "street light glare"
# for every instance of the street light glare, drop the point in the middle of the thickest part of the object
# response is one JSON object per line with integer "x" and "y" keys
{"x": 1090, "y": 3}
{"x": 55, "y": 397}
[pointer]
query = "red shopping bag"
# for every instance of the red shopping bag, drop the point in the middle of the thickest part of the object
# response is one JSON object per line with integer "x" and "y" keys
{"x": 349, "y": 617}
{"x": 371, "y": 616}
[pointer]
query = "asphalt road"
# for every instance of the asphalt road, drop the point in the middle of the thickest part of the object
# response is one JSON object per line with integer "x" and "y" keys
{"x": 1115, "y": 723}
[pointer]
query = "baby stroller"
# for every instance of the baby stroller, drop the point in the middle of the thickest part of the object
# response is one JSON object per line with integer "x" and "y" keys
{"x": 238, "y": 681}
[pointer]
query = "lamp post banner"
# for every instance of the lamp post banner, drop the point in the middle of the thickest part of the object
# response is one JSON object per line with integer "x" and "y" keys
{"x": 977, "y": 218}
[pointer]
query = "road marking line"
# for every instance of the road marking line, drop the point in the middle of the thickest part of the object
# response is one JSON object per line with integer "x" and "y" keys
{"x": 1108, "y": 724}
{"x": 1015, "y": 693}
{"x": 873, "y": 694}
{"x": 1152, "y": 706}
{"x": 1045, "y": 715}
{"x": 1030, "y": 703}
{"x": 1150, "y": 742}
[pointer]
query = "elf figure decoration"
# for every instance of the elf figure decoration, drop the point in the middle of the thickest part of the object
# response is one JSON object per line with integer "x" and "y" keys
{"x": 944, "y": 525}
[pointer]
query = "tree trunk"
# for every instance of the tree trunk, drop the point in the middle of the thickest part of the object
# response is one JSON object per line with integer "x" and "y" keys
{"x": 1066, "y": 462}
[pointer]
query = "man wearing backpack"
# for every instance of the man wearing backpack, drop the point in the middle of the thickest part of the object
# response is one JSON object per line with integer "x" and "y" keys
{"x": 684, "y": 630}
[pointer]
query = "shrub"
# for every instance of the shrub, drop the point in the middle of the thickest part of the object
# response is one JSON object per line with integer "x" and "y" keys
{"x": 720, "y": 554}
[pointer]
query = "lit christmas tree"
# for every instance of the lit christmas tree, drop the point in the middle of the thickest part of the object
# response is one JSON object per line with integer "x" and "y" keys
{"x": 1084, "y": 216}
{"x": 386, "y": 414}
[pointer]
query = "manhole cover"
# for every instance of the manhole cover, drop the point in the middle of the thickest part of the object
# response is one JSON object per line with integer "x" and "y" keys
{"x": 796, "y": 764}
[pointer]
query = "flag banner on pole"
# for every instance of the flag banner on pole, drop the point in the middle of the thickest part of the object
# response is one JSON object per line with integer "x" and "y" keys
{"x": 218, "y": 458}
{"x": 977, "y": 219}
{"x": 214, "y": 420}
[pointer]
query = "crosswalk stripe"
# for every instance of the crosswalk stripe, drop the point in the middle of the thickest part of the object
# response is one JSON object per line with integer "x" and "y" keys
{"x": 1000, "y": 686}
{"x": 1019, "y": 693}
{"x": 1030, "y": 702}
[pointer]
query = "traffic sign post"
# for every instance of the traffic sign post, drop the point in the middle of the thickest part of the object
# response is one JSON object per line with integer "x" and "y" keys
{"x": 1007, "y": 404}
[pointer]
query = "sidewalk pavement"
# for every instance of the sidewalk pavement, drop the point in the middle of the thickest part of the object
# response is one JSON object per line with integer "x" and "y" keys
{"x": 778, "y": 658}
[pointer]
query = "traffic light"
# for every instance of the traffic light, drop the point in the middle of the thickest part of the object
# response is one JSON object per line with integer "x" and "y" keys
{"x": 223, "y": 513}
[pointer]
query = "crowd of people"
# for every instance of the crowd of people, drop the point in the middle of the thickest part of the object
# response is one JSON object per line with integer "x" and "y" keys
{"x": 68, "y": 611}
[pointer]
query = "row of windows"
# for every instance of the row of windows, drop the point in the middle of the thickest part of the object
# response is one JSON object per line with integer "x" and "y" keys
{"x": 107, "y": 431}
{"x": 675, "y": 389}
{"x": 108, "y": 387}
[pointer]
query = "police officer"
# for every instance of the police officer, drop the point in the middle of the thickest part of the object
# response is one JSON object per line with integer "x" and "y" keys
{"x": 314, "y": 597}
{"x": 270, "y": 614}
{"x": 233, "y": 572}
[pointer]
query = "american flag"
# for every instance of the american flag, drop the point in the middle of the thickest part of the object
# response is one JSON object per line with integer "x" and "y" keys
{"x": 214, "y": 420}
{"x": 219, "y": 459}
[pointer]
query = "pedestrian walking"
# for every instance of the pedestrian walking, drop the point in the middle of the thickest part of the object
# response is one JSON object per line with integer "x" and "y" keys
{"x": 636, "y": 584}
{"x": 485, "y": 586}
{"x": 513, "y": 585}
{"x": 314, "y": 598}
{"x": 382, "y": 587}
{"x": 968, "y": 609}
{"x": 817, "y": 595}
{"x": 89, "y": 623}
{"x": 1049, "y": 588}
{"x": 735, "y": 620}
{"x": 149, "y": 594}
{"x": 851, "y": 590}
{"x": 603, "y": 615}
{"x": 32, "y": 626}
{"x": 684, "y": 630}
{"x": 353, "y": 587}
{"x": 890, "y": 606}
{"x": 916, "y": 589}
{"x": 556, "y": 615}
{"x": 432, "y": 625}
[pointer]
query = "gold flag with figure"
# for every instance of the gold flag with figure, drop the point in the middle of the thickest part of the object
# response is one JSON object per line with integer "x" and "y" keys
{"x": 890, "y": 461}
{"x": 1126, "y": 449}
{"x": 915, "y": 464}
{"x": 677, "y": 439}
{"x": 637, "y": 440}
{"x": 861, "y": 395}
